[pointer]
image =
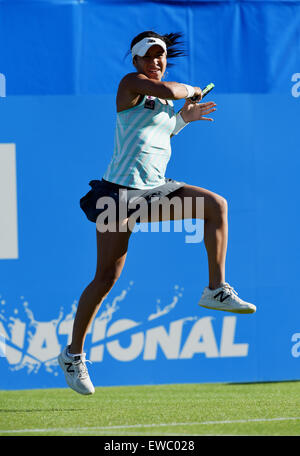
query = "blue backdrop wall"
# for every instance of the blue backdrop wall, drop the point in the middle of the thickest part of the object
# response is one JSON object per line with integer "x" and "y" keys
{"x": 61, "y": 62}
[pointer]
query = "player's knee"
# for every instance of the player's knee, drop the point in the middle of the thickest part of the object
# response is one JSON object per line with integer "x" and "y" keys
{"x": 219, "y": 207}
{"x": 222, "y": 205}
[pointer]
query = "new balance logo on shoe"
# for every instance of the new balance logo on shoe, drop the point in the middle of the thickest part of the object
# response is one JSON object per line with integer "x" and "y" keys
{"x": 222, "y": 295}
{"x": 69, "y": 367}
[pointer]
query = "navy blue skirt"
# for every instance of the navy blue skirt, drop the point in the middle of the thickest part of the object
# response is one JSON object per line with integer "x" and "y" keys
{"x": 104, "y": 188}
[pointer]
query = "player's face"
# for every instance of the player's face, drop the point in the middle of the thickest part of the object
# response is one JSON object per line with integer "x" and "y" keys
{"x": 153, "y": 64}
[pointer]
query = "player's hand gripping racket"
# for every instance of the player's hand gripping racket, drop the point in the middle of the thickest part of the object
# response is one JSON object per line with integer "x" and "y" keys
{"x": 205, "y": 91}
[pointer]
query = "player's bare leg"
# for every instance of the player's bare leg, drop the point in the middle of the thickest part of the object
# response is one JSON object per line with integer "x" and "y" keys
{"x": 218, "y": 295}
{"x": 111, "y": 256}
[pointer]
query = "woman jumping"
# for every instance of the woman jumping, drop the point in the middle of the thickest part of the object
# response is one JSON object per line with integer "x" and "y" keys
{"x": 145, "y": 123}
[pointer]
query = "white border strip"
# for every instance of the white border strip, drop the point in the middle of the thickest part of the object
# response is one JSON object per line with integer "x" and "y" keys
{"x": 8, "y": 202}
{"x": 134, "y": 426}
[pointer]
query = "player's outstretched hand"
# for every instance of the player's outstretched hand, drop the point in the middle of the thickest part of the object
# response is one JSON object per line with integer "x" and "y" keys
{"x": 196, "y": 111}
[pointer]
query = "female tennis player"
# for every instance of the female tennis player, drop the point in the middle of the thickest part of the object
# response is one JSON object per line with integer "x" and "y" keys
{"x": 145, "y": 123}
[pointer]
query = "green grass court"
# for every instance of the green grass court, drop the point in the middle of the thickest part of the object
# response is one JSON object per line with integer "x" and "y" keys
{"x": 263, "y": 409}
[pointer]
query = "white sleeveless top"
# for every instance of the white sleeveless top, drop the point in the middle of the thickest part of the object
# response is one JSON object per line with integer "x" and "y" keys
{"x": 142, "y": 146}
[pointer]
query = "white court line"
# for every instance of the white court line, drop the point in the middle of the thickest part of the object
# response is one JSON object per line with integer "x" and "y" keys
{"x": 133, "y": 426}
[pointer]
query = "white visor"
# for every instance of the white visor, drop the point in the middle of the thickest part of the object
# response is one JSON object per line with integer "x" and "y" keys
{"x": 142, "y": 46}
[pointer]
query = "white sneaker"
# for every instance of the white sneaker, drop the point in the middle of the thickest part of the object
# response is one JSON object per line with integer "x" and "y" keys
{"x": 76, "y": 373}
{"x": 225, "y": 298}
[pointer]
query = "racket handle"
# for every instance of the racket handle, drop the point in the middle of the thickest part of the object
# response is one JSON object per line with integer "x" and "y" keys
{"x": 205, "y": 91}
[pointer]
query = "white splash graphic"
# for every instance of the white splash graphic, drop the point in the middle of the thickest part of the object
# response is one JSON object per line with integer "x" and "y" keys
{"x": 160, "y": 312}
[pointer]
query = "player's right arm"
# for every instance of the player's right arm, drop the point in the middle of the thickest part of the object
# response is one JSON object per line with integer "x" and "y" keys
{"x": 139, "y": 84}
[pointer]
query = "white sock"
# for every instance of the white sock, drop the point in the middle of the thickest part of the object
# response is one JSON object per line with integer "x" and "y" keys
{"x": 72, "y": 355}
